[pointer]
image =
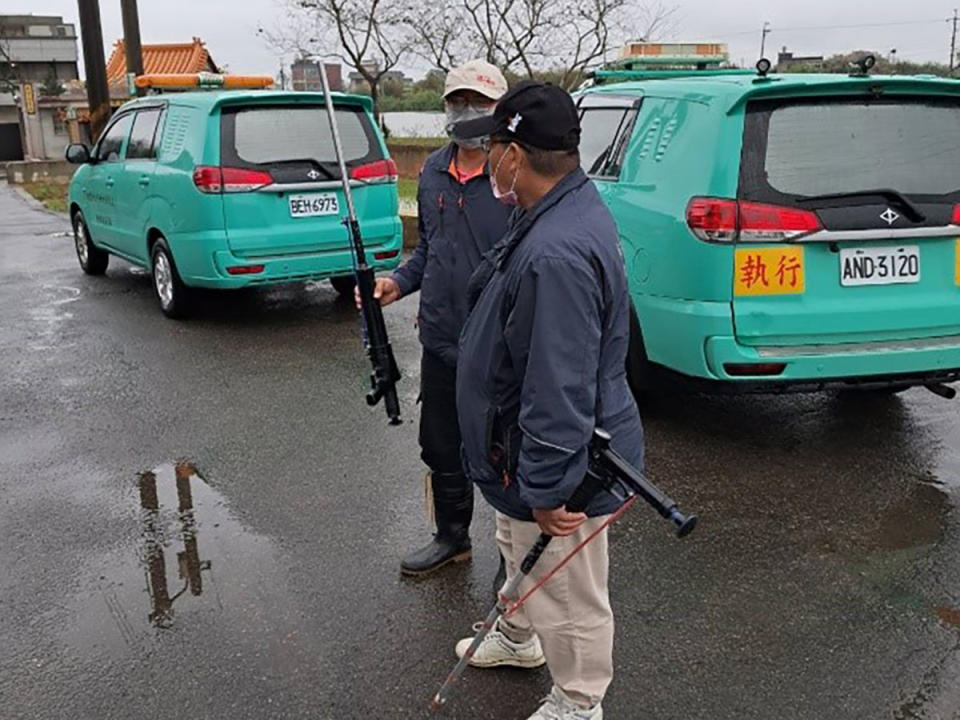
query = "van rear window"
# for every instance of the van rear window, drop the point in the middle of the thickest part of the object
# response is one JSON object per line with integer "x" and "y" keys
{"x": 795, "y": 149}
{"x": 272, "y": 135}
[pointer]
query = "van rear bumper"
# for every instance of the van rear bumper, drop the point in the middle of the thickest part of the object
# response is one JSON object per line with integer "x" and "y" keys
{"x": 894, "y": 362}
{"x": 290, "y": 268}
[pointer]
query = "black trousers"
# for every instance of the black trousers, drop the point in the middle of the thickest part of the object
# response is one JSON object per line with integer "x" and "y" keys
{"x": 439, "y": 426}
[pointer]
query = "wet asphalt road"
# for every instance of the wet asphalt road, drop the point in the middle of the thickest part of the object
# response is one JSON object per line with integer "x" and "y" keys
{"x": 822, "y": 583}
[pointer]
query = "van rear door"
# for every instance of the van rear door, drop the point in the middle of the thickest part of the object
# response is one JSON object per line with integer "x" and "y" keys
{"x": 281, "y": 182}
{"x": 848, "y": 214}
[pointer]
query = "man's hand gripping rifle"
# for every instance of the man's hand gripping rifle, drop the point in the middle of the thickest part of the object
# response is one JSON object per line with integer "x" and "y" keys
{"x": 385, "y": 374}
{"x": 607, "y": 471}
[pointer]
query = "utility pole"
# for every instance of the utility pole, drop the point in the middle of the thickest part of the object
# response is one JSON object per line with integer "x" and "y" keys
{"x": 131, "y": 38}
{"x": 953, "y": 43}
{"x": 98, "y": 94}
{"x": 763, "y": 38}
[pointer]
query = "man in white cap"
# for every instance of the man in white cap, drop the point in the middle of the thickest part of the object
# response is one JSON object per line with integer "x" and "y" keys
{"x": 459, "y": 220}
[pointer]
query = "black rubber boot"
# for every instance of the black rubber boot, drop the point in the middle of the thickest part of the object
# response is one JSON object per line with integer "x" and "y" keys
{"x": 453, "y": 509}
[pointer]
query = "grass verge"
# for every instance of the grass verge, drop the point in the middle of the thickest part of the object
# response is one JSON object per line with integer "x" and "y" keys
{"x": 427, "y": 142}
{"x": 53, "y": 195}
{"x": 407, "y": 188}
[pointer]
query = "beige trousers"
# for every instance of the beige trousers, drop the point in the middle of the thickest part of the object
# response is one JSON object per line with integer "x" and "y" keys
{"x": 571, "y": 612}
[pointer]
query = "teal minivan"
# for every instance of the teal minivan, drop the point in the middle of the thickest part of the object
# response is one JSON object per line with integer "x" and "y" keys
{"x": 783, "y": 232}
{"x": 230, "y": 189}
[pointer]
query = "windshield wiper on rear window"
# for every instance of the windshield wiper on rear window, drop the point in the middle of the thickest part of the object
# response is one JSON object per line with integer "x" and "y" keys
{"x": 888, "y": 194}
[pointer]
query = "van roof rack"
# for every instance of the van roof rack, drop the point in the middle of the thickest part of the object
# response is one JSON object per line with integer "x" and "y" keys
{"x": 601, "y": 77}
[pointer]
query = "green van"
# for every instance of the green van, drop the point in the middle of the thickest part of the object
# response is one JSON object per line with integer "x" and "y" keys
{"x": 783, "y": 232}
{"x": 233, "y": 189}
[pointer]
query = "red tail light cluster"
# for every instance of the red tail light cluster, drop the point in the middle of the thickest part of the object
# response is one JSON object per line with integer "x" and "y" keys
{"x": 386, "y": 254}
{"x": 229, "y": 180}
{"x": 721, "y": 220}
{"x": 956, "y": 215}
{"x": 379, "y": 171}
{"x": 754, "y": 369}
{"x": 245, "y": 269}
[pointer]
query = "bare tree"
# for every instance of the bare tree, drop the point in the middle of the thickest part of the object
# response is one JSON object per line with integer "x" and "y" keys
{"x": 656, "y": 20}
{"x": 438, "y": 35}
{"x": 9, "y": 78}
{"x": 365, "y": 36}
{"x": 529, "y": 37}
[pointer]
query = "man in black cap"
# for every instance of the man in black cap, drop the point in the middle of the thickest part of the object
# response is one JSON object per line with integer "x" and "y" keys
{"x": 541, "y": 364}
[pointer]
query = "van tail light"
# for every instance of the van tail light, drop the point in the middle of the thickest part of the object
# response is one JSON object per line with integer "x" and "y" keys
{"x": 245, "y": 270}
{"x": 379, "y": 171}
{"x": 956, "y": 215}
{"x": 386, "y": 254}
{"x": 754, "y": 369}
{"x": 713, "y": 219}
{"x": 721, "y": 220}
{"x": 229, "y": 180}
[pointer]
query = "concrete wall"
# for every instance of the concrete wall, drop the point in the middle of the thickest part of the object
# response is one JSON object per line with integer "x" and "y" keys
{"x": 39, "y": 171}
{"x": 54, "y": 143}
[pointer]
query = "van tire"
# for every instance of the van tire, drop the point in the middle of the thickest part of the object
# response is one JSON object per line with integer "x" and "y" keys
{"x": 173, "y": 296}
{"x": 344, "y": 284}
{"x": 93, "y": 260}
{"x": 638, "y": 365}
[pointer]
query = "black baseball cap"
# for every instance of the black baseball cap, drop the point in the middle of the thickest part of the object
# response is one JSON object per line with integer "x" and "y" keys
{"x": 533, "y": 113}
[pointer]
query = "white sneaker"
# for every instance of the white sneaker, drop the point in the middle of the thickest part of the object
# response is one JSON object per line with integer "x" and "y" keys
{"x": 497, "y": 649}
{"x": 557, "y": 706}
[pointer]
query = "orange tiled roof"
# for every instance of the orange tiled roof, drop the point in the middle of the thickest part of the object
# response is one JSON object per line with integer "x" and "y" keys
{"x": 162, "y": 58}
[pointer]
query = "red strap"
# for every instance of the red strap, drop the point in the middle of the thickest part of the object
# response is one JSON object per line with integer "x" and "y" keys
{"x": 556, "y": 568}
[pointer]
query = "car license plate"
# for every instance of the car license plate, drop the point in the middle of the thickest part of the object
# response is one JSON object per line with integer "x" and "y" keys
{"x": 313, "y": 204}
{"x": 880, "y": 266}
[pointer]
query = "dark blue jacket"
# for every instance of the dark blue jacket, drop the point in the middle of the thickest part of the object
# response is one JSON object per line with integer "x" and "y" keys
{"x": 458, "y": 223}
{"x": 542, "y": 355}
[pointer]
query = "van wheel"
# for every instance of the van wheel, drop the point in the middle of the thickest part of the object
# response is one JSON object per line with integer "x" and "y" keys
{"x": 93, "y": 261}
{"x": 173, "y": 295}
{"x": 638, "y": 366}
{"x": 344, "y": 285}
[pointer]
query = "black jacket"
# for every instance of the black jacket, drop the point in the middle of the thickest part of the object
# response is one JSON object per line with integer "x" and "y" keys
{"x": 543, "y": 355}
{"x": 458, "y": 223}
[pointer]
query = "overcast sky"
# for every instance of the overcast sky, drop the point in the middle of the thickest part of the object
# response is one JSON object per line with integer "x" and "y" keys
{"x": 918, "y": 30}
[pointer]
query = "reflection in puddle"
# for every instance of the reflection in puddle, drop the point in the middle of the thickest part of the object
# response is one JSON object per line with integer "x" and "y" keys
{"x": 155, "y": 538}
{"x": 187, "y": 567}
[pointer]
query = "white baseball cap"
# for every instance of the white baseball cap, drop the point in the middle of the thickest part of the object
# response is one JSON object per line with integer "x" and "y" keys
{"x": 477, "y": 75}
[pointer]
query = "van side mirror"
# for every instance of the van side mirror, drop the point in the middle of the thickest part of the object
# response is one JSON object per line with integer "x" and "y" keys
{"x": 77, "y": 153}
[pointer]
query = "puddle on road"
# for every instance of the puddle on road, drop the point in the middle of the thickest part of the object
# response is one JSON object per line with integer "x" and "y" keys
{"x": 190, "y": 565}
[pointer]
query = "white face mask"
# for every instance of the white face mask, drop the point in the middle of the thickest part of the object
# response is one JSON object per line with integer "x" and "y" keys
{"x": 462, "y": 115}
{"x": 510, "y": 196}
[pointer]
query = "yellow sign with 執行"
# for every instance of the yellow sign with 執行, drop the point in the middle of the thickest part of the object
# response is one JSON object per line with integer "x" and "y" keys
{"x": 769, "y": 271}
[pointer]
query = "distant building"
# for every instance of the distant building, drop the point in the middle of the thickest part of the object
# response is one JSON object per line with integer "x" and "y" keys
{"x": 305, "y": 75}
{"x": 358, "y": 84}
{"x": 38, "y": 53}
{"x": 787, "y": 60}
{"x": 37, "y": 47}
